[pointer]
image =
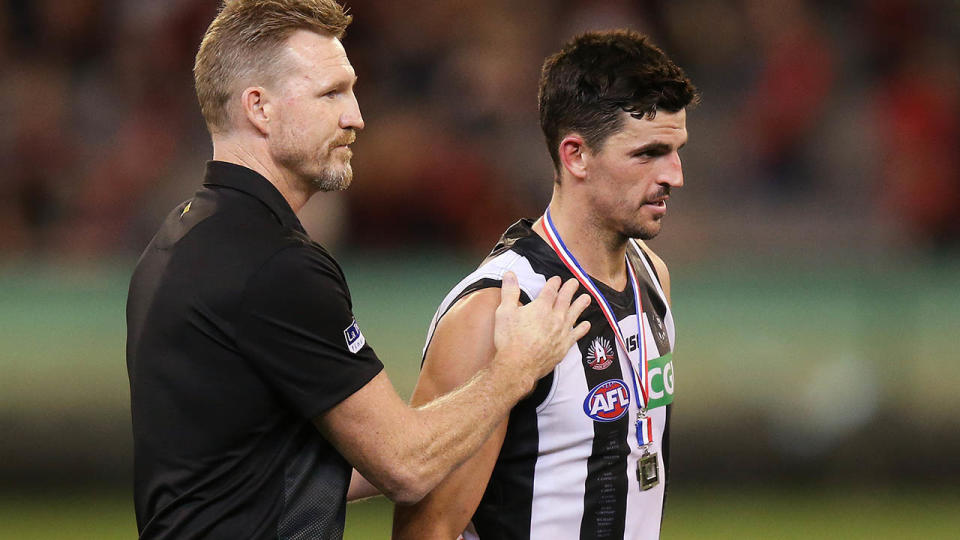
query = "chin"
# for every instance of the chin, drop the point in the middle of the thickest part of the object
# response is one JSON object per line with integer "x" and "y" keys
{"x": 333, "y": 180}
{"x": 645, "y": 232}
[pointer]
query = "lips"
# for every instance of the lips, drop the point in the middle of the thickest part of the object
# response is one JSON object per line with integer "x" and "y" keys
{"x": 658, "y": 206}
{"x": 659, "y": 201}
{"x": 345, "y": 142}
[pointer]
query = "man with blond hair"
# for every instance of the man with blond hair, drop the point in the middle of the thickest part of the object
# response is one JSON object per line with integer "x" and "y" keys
{"x": 253, "y": 390}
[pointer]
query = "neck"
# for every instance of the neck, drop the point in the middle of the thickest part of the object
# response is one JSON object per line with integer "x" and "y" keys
{"x": 599, "y": 251}
{"x": 231, "y": 150}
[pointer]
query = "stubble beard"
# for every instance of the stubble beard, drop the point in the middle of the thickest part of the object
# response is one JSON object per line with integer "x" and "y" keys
{"x": 329, "y": 177}
{"x": 644, "y": 232}
{"x": 336, "y": 179}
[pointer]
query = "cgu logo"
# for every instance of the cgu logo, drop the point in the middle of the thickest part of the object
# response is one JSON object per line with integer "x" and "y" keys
{"x": 608, "y": 401}
{"x": 660, "y": 377}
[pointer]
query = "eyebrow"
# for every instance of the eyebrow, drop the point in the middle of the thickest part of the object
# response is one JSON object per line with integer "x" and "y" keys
{"x": 338, "y": 85}
{"x": 656, "y": 148}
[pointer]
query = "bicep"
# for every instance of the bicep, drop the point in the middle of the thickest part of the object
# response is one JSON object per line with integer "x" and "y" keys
{"x": 462, "y": 344}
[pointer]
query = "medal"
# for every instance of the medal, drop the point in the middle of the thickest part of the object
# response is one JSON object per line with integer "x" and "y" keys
{"x": 648, "y": 469}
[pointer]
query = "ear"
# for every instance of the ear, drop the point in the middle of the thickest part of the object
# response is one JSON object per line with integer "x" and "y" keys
{"x": 572, "y": 155}
{"x": 257, "y": 108}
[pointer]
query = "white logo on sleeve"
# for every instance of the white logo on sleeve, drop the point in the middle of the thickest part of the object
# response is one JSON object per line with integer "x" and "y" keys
{"x": 355, "y": 339}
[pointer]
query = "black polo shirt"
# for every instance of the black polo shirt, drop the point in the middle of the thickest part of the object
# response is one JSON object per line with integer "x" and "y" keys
{"x": 239, "y": 332}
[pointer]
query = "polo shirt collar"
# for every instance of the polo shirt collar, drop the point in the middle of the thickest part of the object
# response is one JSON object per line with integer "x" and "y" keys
{"x": 231, "y": 175}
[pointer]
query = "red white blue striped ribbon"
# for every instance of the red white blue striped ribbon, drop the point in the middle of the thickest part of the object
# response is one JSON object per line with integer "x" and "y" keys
{"x": 644, "y": 430}
{"x": 644, "y": 426}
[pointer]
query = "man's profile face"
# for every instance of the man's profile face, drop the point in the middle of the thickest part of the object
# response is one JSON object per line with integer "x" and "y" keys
{"x": 316, "y": 114}
{"x": 632, "y": 174}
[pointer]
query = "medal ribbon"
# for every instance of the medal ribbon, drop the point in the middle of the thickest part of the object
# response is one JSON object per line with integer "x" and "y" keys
{"x": 644, "y": 423}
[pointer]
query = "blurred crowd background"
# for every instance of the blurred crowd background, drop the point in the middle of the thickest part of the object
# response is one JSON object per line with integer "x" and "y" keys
{"x": 815, "y": 247}
{"x": 827, "y": 125}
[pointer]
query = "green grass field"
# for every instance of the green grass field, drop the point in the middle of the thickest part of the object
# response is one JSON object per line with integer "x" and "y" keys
{"x": 691, "y": 514}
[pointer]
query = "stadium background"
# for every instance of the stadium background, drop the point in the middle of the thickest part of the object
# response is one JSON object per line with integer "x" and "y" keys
{"x": 815, "y": 248}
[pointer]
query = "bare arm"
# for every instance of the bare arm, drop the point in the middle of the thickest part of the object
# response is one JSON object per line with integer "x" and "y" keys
{"x": 405, "y": 452}
{"x": 661, "y": 269}
{"x": 445, "y": 511}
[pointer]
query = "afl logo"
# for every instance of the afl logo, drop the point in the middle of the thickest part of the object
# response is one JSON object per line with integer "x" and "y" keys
{"x": 608, "y": 401}
{"x": 599, "y": 354}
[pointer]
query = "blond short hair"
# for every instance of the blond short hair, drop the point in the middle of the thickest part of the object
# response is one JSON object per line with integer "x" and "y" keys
{"x": 245, "y": 39}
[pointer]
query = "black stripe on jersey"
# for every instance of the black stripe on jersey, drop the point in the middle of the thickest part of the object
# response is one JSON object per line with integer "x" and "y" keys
{"x": 665, "y": 454}
{"x": 650, "y": 262}
{"x": 605, "y": 490}
{"x": 659, "y": 306}
{"x": 505, "y": 511}
{"x": 654, "y": 307}
{"x": 657, "y": 327}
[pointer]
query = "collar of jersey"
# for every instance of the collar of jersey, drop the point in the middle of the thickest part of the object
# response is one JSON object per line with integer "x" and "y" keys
{"x": 523, "y": 229}
{"x": 240, "y": 178}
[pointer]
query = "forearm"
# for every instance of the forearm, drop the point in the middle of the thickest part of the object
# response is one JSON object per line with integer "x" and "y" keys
{"x": 445, "y": 512}
{"x": 454, "y": 426}
{"x": 437, "y": 437}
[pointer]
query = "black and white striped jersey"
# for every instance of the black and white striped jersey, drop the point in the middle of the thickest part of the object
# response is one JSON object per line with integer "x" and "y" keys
{"x": 567, "y": 468}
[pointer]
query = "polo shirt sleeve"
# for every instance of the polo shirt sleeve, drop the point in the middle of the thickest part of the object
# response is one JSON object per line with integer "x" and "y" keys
{"x": 297, "y": 328}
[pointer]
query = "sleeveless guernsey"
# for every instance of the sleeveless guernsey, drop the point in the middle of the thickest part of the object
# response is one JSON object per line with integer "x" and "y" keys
{"x": 567, "y": 468}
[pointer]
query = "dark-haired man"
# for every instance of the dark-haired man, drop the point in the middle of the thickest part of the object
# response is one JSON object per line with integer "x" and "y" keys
{"x": 585, "y": 455}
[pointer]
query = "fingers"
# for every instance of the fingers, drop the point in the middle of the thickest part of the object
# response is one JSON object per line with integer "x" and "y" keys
{"x": 579, "y": 331}
{"x": 576, "y": 309}
{"x": 509, "y": 290}
{"x": 566, "y": 293}
{"x": 549, "y": 292}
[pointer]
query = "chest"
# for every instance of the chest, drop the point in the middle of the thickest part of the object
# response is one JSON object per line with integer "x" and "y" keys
{"x": 599, "y": 389}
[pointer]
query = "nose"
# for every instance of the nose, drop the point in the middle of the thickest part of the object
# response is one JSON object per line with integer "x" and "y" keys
{"x": 351, "y": 118}
{"x": 672, "y": 172}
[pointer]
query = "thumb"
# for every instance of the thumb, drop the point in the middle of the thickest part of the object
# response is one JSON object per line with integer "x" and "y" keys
{"x": 509, "y": 290}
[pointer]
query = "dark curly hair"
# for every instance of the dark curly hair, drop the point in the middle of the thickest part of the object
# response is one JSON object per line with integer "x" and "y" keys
{"x": 596, "y": 76}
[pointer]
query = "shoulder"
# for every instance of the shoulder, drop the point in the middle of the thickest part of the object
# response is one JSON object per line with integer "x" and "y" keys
{"x": 466, "y": 316}
{"x": 489, "y": 275}
{"x": 473, "y": 309}
{"x": 462, "y": 343}
{"x": 661, "y": 267}
{"x": 300, "y": 272}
